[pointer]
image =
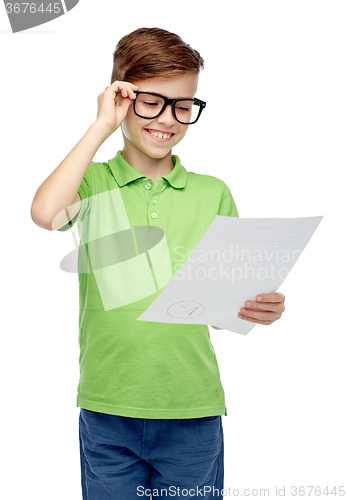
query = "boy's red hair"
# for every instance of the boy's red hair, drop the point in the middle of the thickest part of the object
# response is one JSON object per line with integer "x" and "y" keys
{"x": 152, "y": 53}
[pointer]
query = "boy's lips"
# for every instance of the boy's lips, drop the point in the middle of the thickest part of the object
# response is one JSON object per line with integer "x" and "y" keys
{"x": 159, "y": 135}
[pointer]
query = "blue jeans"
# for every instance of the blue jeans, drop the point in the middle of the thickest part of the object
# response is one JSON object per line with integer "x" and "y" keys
{"x": 125, "y": 458}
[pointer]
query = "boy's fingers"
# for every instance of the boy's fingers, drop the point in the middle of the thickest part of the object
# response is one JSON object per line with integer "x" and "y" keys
{"x": 266, "y": 306}
{"x": 271, "y": 297}
{"x": 121, "y": 85}
{"x": 261, "y": 322}
{"x": 128, "y": 93}
{"x": 272, "y": 302}
{"x": 260, "y": 316}
{"x": 125, "y": 89}
{"x": 132, "y": 85}
{"x": 272, "y": 311}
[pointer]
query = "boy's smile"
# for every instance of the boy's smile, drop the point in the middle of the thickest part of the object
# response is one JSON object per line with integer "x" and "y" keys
{"x": 160, "y": 135}
{"x": 148, "y": 142}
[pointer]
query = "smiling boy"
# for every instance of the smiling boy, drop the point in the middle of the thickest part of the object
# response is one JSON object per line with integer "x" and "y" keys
{"x": 150, "y": 393}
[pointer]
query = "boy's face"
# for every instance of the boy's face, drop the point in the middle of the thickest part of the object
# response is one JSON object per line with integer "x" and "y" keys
{"x": 138, "y": 132}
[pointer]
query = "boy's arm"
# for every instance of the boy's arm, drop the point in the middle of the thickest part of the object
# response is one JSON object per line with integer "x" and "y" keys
{"x": 59, "y": 191}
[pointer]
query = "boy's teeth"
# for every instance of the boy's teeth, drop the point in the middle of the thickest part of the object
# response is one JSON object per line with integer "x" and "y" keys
{"x": 160, "y": 135}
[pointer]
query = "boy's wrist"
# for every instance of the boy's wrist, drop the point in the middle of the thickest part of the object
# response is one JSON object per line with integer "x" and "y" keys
{"x": 102, "y": 128}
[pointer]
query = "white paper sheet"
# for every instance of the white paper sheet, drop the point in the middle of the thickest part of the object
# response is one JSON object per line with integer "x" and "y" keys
{"x": 236, "y": 260}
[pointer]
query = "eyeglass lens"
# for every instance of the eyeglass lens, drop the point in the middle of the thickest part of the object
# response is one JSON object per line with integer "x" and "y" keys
{"x": 148, "y": 106}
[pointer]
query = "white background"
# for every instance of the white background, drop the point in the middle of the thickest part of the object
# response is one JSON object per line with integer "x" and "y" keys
{"x": 274, "y": 130}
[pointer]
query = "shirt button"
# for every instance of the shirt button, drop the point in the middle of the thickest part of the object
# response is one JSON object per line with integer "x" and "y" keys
{"x": 154, "y": 216}
{"x": 148, "y": 186}
{"x": 153, "y": 202}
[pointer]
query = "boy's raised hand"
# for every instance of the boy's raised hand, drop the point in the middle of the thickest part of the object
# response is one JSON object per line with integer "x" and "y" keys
{"x": 112, "y": 109}
{"x": 267, "y": 308}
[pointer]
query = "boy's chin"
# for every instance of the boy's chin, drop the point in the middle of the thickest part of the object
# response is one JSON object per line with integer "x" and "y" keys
{"x": 155, "y": 154}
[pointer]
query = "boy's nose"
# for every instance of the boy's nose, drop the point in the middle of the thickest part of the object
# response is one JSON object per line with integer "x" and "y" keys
{"x": 167, "y": 117}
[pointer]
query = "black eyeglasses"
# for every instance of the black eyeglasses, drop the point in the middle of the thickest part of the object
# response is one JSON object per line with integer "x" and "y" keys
{"x": 150, "y": 105}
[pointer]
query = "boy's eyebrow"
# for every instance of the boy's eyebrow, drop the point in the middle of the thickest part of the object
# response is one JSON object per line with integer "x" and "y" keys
{"x": 152, "y": 92}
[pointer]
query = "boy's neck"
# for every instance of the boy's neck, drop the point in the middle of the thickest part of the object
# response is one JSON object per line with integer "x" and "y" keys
{"x": 150, "y": 167}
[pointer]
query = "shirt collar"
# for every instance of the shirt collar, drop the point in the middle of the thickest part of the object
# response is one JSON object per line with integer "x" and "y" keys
{"x": 125, "y": 173}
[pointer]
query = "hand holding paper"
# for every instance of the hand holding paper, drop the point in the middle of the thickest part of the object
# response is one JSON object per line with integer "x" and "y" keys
{"x": 266, "y": 309}
{"x": 236, "y": 260}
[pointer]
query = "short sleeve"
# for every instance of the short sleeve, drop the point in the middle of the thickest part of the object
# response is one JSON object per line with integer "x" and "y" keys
{"x": 85, "y": 191}
{"x": 227, "y": 205}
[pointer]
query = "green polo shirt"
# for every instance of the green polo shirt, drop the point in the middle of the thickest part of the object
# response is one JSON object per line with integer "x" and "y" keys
{"x": 134, "y": 236}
